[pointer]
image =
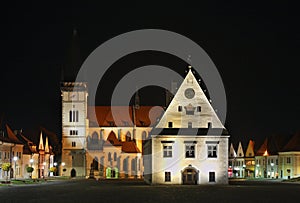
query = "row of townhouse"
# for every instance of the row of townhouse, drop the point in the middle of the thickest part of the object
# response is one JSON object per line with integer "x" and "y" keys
{"x": 277, "y": 157}
{"x": 21, "y": 153}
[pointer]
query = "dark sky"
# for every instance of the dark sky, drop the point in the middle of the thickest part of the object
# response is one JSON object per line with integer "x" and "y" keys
{"x": 254, "y": 46}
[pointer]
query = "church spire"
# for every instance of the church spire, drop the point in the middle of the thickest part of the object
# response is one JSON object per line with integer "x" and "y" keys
{"x": 41, "y": 145}
{"x": 47, "y": 146}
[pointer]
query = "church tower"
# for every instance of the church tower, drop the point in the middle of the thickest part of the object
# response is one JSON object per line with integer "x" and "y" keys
{"x": 74, "y": 114}
{"x": 74, "y": 128}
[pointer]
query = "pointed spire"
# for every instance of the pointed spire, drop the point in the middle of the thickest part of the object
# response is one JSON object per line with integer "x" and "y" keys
{"x": 47, "y": 146}
{"x": 41, "y": 145}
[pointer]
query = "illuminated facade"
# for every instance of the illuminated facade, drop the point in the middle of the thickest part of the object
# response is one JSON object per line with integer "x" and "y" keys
{"x": 97, "y": 144}
{"x": 21, "y": 153}
{"x": 189, "y": 145}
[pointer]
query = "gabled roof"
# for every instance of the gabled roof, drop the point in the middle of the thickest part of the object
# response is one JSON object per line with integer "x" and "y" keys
{"x": 272, "y": 145}
{"x": 11, "y": 136}
{"x": 130, "y": 147}
{"x": 293, "y": 144}
{"x": 127, "y": 146}
{"x": 122, "y": 116}
{"x": 112, "y": 139}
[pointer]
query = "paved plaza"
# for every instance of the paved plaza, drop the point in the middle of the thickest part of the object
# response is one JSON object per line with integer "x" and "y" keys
{"x": 138, "y": 191}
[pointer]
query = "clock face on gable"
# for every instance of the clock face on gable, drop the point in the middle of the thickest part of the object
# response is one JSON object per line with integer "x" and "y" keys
{"x": 189, "y": 93}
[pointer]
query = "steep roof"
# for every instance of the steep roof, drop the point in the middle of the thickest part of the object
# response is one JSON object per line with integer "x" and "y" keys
{"x": 190, "y": 109}
{"x": 272, "y": 145}
{"x": 112, "y": 139}
{"x": 293, "y": 144}
{"x": 122, "y": 116}
{"x": 11, "y": 136}
{"x": 130, "y": 147}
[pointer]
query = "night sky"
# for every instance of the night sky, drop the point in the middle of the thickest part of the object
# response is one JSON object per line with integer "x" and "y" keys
{"x": 254, "y": 46}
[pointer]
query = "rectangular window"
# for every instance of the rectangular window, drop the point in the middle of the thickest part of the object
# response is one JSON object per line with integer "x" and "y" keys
{"x": 209, "y": 125}
{"x": 276, "y": 161}
{"x": 189, "y": 151}
{"x": 198, "y": 108}
{"x": 73, "y": 132}
{"x": 167, "y": 176}
{"x": 288, "y": 160}
{"x": 170, "y": 124}
{"x": 0, "y": 155}
{"x": 212, "y": 151}
{"x": 179, "y": 108}
{"x": 73, "y": 144}
{"x": 190, "y": 124}
{"x": 167, "y": 150}
{"x": 212, "y": 177}
{"x": 73, "y": 116}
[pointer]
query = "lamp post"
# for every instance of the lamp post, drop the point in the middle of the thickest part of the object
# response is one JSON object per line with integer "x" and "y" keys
{"x": 44, "y": 164}
{"x": 15, "y": 160}
{"x": 63, "y": 164}
{"x": 31, "y": 162}
{"x": 55, "y": 164}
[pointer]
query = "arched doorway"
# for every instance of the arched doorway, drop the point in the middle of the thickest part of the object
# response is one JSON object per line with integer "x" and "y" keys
{"x": 190, "y": 176}
{"x": 73, "y": 173}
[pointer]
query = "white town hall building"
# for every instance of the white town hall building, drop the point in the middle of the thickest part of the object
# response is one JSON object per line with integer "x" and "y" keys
{"x": 189, "y": 145}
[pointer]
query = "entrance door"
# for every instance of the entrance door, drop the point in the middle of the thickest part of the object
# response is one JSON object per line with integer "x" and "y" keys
{"x": 190, "y": 176}
{"x": 73, "y": 173}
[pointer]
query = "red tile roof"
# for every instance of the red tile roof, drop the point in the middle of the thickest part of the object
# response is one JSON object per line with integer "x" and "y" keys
{"x": 122, "y": 116}
{"x": 11, "y": 136}
{"x": 130, "y": 147}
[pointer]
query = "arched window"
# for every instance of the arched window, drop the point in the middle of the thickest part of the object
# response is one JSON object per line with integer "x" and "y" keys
{"x": 95, "y": 138}
{"x": 133, "y": 166}
{"x": 125, "y": 166}
{"x": 95, "y": 164}
{"x": 128, "y": 136}
{"x": 109, "y": 156}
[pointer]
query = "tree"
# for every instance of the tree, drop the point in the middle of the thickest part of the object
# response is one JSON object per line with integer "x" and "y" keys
{"x": 6, "y": 167}
{"x": 29, "y": 169}
{"x": 53, "y": 170}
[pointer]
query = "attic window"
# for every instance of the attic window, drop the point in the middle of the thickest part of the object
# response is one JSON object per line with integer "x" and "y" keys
{"x": 190, "y": 124}
{"x": 142, "y": 123}
{"x": 179, "y": 108}
{"x": 170, "y": 124}
{"x": 209, "y": 125}
{"x": 198, "y": 108}
{"x": 111, "y": 123}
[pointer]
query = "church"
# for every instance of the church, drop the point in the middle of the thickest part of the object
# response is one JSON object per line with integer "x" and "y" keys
{"x": 187, "y": 144}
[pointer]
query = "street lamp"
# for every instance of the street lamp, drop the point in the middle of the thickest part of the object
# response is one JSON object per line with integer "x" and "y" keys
{"x": 15, "y": 160}
{"x": 55, "y": 164}
{"x": 62, "y": 164}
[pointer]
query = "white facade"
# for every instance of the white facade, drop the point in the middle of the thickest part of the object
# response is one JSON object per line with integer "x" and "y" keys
{"x": 189, "y": 145}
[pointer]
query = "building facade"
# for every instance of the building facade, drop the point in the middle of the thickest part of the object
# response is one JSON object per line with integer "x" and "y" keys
{"x": 21, "y": 153}
{"x": 189, "y": 145}
{"x": 102, "y": 141}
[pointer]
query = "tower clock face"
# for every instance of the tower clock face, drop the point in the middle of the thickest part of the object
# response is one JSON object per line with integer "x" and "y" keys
{"x": 189, "y": 93}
